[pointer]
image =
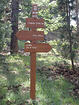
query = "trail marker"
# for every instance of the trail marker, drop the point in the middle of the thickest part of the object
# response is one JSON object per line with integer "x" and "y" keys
{"x": 39, "y": 47}
{"x": 30, "y": 35}
{"x": 34, "y": 46}
{"x": 34, "y": 23}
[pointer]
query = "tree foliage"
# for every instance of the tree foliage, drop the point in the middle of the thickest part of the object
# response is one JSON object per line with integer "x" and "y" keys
{"x": 68, "y": 32}
{"x": 58, "y": 15}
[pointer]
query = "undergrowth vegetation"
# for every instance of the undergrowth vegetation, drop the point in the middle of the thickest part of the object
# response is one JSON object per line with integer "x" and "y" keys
{"x": 15, "y": 83}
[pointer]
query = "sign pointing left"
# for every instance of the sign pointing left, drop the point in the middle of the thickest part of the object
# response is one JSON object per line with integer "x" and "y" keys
{"x": 30, "y": 35}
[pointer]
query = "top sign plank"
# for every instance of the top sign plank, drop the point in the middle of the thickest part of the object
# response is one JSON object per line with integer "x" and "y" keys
{"x": 34, "y": 7}
{"x": 34, "y": 11}
{"x": 34, "y": 23}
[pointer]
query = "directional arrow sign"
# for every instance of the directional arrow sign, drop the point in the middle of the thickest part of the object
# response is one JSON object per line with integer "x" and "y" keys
{"x": 38, "y": 47}
{"x": 30, "y": 35}
{"x": 34, "y": 23}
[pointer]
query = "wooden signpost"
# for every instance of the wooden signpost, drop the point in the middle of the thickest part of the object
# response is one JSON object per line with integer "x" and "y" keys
{"x": 33, "y": 47}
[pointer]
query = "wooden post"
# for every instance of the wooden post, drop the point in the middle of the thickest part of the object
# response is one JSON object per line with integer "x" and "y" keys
{"x": 34, "y": 46}
{"x": 33, "y": 75}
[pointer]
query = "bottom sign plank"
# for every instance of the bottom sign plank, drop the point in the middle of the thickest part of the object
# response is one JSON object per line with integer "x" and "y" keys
{"x": 37, "y": 47}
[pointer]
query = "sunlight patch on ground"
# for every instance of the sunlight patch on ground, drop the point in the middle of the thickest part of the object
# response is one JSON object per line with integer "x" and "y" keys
{"x": 15, "y": 72}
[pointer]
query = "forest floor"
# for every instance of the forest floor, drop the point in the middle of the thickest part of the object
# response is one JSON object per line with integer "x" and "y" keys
{"x": 56, "y": 84}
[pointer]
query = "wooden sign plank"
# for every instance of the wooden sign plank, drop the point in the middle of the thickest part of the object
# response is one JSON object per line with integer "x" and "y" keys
{"x": 30, "y": 35}
{"x": 37, "y": 47}
{"x": 34, "y": 7}
{"x": 34, "y": 23}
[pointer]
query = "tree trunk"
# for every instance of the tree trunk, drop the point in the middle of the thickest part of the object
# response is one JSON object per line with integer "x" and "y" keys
{"x": 70, "y": 34}
{"x": 77, "y": 18}
{"x": 14, "y": 22}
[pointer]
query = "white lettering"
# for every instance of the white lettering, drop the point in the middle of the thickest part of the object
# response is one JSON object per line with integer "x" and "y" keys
{"x": 34, "y": 47}
{"x": 35, "y": 8}
{"x": 31, "y": 47}
{"x": 28, "y": 45}
{"x": 38, "y": 35}
{"x": 34, "y": 12}
{"x": 37, "y": 23}
{"x": 35, "y": 16}
{"x": 30, "y": 23}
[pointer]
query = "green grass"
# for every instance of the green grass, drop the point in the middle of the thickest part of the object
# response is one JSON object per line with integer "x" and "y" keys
{"x": 14, "y": 71}
{"x": 21, "y": 44}
{"x": 51, "y": 60}
{"x": 55, "y": 92}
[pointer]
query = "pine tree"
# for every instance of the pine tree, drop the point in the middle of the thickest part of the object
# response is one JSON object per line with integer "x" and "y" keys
{"x": 3, "y": 4}
{"x": 14, "y": 22}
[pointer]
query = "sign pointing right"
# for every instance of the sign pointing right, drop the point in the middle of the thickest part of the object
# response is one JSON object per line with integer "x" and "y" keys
{"x": 38, "y": 47}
